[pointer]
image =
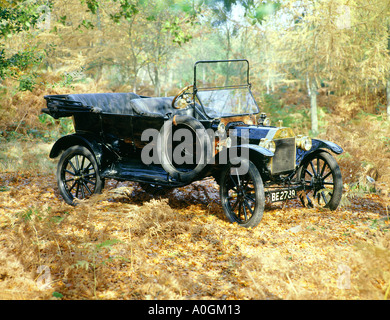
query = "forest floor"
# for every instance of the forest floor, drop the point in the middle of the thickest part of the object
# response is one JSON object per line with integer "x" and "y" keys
{"x": 127, "y": 244}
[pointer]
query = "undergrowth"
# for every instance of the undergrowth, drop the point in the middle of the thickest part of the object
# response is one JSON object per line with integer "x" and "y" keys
{"x": 123, "y": 244}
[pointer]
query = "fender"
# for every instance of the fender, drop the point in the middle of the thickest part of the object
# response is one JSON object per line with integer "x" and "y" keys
{"x": 323, "y": 144}
{"x": 253, "y": 151}
{"x": 258, "y": 155}
{"x": 318, "y": 145}
{"x": 76, "y": 139}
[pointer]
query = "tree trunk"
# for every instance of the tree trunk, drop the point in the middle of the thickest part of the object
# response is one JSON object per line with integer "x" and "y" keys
{"x": 155, "y": 80}
{"x": 313, "y": 107}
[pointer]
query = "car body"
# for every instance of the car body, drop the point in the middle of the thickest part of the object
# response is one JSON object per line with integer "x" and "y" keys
{"x": 212, "y": 128}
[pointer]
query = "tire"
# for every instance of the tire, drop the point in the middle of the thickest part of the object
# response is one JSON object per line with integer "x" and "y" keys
{"x": 166, "y": 148}
{"x": 322, "y": 179}
{"x": 78, "y": 174}
{"x": 242, "y": 195}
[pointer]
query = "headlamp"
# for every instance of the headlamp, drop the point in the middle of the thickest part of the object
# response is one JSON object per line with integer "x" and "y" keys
{"x": 221, "y": 128}
{"x": 268, "y": 144}
{"x": 304, "y": 143}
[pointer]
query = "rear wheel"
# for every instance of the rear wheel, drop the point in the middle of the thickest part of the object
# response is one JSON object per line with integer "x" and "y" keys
{"x": 242, "y": 194}
{"x": 78, "y": 174}
{"x": 321, "y": 176}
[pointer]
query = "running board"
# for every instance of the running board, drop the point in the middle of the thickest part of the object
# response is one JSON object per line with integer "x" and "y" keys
{"x": 127, "y": 171}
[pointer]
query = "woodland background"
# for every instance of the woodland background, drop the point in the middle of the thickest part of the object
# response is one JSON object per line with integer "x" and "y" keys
{"x": 323, "y": 67}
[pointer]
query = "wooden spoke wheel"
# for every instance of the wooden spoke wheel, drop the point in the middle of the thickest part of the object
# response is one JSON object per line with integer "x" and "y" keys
{"x": 322, "y": 179}
{"x": 242, "y": 195}
{"x": 78, "y": 174}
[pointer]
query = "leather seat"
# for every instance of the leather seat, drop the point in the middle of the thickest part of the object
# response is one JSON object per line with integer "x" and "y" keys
{"x": 118, "y": 103}
{"x": 153, "y": 107}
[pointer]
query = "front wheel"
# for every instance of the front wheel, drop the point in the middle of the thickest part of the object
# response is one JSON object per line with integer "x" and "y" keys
{"x": 242, "y": 194}
{"x": 322, "y": 180}
{"x": 78, "y": 174}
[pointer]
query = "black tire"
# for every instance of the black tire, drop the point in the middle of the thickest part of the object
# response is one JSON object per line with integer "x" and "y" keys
{"x": 78, "y": 174}
{"x": 200, "y": 154}
{"x": 242, "y": 195}
{"x": 323, "y": 182}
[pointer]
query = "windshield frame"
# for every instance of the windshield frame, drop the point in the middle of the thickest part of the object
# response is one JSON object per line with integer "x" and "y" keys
{"x": 247, "y": 86}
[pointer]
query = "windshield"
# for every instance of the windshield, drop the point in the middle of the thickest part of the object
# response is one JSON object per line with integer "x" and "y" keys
{"x": 223, "y": 88}
{"x": 227, "y": 102}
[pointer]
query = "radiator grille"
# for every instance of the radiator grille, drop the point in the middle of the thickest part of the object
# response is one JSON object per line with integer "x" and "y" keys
{"x": 285, "y": 154}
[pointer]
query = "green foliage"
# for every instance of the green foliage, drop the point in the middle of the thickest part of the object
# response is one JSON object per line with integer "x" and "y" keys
{"x": 30, "y": 214}
{"x": 57, "y": 295}
{"x": 127, "y": 11}
{"x": 93, "y": 5}
{"x": 19, "y": 65}
{"x": 17, "y": 17}
{"x": 93, "y": 255}
{"x": 175, "y": 28}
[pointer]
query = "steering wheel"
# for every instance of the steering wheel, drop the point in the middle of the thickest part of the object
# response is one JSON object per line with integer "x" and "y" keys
{"x": 180, "y": 96}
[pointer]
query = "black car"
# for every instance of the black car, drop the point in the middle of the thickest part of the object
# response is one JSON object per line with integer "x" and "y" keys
{"x": 212, "y": 128}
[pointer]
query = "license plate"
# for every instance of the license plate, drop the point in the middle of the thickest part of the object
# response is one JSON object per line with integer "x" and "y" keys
{"x": 282, "y": 195}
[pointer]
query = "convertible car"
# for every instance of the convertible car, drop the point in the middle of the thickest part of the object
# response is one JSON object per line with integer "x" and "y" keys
{"x": 211, "y": 128}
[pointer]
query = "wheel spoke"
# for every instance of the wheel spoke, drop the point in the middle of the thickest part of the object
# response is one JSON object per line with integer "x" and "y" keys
{"x": 70, "y": 172}
{"x": 318, "y": 165}
{"x": 235, "y": 205}
{"x": 248, "y": 206}
{"x": 323, "y": 168}
{"x": 235, "y": 184}
{"x": 312, "y": 166}
{"x": 324, "y": 197}
{"x": 90, "y": 182}
{"x": 247, "y": 197}
{"x": 307, "y": 171}
{"x": 238, "y": 178}
{"x": 328, "y": 183}
{"x": 82, "y": 189}
{"x": 74, "y": 183}
{"x": 72, "y": 165}
{"x": 89, "y": 175}
{"x": 77, "y": 189}
{"x": 86, "y": 187}
{"x": 77, "y": 163}
{"x": 239, "y": 210}
{"x": 82, "y": 163}
{"x": 327, "y": 175}
{"x": 245, "y": 215}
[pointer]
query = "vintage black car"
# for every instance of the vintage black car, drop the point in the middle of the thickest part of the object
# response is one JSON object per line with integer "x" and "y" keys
{"x": 212, "y": 128}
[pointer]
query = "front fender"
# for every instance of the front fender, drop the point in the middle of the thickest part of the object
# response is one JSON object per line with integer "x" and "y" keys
{"x": 318, "y": 145}
{"x": 76, "y": 139}
{"x": 255, "y": 149}
{"x": 258, "y": 155}
{"x": 323, "y": 144}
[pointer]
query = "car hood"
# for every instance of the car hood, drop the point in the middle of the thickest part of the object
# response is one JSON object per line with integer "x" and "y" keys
{"x": 256, "y": 133}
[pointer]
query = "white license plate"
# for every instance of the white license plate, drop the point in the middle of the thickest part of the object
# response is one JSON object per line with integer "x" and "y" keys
{"x": 282, "y": 195}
